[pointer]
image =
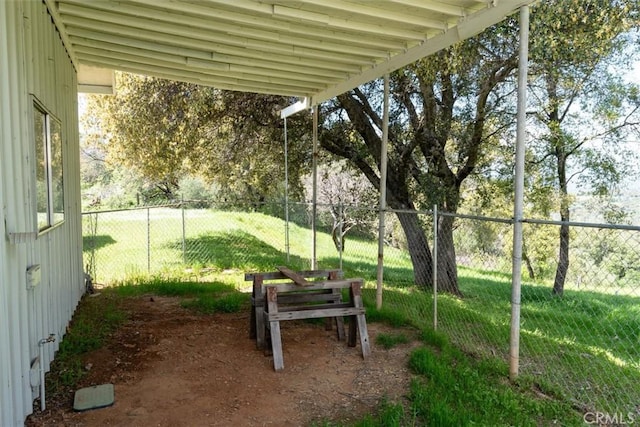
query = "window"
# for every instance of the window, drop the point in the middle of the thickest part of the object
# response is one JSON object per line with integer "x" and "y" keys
{"x": 49, "y": 174}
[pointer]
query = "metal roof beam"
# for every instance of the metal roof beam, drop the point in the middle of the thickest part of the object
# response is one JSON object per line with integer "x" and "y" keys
{"x": 399, "y": 19}
{"x": 218, "y": 44}
{"x": 222, "y": 72}
{"x": 433, "y": 6}
{"x": 342, "y": 23}
{"x": 91, "y": 46}
{"x": 127, "y": 45}
{"x": 202, "y": 28}
{"x": 316, "y": 49}
{"x": 277, "y": 26}
{"x": 199, "y": 81}
{"x": 194, "y": 77}
{"x": 295, "y": 108}
{"x": 127, "y": 35}
{"x": 465, "y": 29}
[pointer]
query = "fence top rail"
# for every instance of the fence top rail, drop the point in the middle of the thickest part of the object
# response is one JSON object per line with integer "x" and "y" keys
{"x": 180, "y": 203}
{"x": 477, "y": 217}
{"x": 409, "y": 211}
{"x": 137, "y": 208}
{"x": 583, "y": 224}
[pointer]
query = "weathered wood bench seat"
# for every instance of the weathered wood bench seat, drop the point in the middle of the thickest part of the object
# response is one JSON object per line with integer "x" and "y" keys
{"x": 303, "y": 299}
{"x": 300, "y": 296}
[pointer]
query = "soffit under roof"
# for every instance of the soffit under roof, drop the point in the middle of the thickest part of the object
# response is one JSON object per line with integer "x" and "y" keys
{"x": 314, "y": 49}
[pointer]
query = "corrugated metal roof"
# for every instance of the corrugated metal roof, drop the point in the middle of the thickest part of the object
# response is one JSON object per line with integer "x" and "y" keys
{"x": 315, "y": 49}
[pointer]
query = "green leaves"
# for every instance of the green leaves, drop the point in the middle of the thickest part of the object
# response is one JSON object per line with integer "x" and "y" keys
{"x": 165, "y": 130}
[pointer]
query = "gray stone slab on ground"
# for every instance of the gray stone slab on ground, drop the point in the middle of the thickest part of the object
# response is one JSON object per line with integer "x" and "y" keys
{"x": 98, "y": 396}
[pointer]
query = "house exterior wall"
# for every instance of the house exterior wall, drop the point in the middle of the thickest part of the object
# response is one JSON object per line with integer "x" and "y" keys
{"x": 34, "y": 65}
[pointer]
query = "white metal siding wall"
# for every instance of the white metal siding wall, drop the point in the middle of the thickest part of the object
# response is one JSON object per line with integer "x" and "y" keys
{"x": 15, "y": 356}
{"x": 34, "y": 62}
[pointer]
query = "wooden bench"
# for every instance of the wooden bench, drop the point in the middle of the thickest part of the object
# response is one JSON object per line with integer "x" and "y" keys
{"x": 302, "y": 299}
{"x": 256, "y": 321}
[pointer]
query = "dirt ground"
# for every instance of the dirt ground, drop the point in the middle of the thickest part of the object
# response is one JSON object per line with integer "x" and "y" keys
{"x": 171, "y": 367}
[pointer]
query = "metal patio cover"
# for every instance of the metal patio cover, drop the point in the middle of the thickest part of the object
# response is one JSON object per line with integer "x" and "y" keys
{"x": 312, "y": 49}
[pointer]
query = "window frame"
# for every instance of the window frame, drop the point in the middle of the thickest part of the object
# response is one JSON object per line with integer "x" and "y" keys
{"x": 48, "y": 149}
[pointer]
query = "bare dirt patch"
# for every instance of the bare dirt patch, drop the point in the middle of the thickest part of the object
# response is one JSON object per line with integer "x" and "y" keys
{"x": 171, "y": 367}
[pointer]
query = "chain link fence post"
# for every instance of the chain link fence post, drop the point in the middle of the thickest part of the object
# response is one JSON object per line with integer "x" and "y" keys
{"x": 340, "y": 238}
{"x": 184, "y": 232}
{"x": 435, "y": 267}
{"x": 148, "y": 240}
{"x": 92, "y": 224}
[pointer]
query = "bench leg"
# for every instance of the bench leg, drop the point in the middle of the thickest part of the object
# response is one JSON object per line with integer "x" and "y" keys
{"x": 364, "y": 335}
{"x": 258, "y": 316}
{"x": 274, "y": 326}
{"x": 276, "y": 345}
{"x": 260, "y": 328}
{"x": 339, "y": 320}
{"x": 252, "y": 319}
{"x": 266, "y": 348}
{"x": 351, "y": 342}
{"x": 340, "y": 327}
{"x": 358, "y": 321}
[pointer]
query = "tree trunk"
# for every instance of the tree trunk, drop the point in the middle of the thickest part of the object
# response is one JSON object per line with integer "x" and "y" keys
{"x": 447, "y": 266}
{"x": 563, "y": 253}
{"x": 558, "y": 141}
{"x": 527, "y": 263}
{"x": 338, "y": 237}
{"x": 418, "y": 249}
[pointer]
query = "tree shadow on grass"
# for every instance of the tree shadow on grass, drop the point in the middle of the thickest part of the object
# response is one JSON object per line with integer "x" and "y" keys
{"x": 234, "y": 250}
{"x": 90, "y": 243}
{"x": 395, "y": 277}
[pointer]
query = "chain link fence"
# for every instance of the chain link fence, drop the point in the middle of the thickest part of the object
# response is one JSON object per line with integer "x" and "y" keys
{"x": 583, "y": 345}
{"x": 193, "y": 236}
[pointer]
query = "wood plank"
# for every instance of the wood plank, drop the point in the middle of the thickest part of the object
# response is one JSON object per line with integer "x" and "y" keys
{"x": 314, "y": 314}
{"x": 315, "y": 296}
{"x": 364, "y": 335}
{"x": 259, "y": 311}
{"x": 339, "y": 320}
{"x": 290, "y": 298}
{"x": 274, "y": 326}
{"x": 353, "y": 333}
{"x": 297, "y": 279}
{"x": 312, "y": 307}
{"x": 276, "y": 346}
{"x": 356, "y": 298}
{"x": 252, "y": 319}
{"x": 330, "y": 274}
{"x": 326, "y": 284}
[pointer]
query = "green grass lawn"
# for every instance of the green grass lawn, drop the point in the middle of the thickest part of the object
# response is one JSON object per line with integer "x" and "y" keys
{"x": 580, "y": 352}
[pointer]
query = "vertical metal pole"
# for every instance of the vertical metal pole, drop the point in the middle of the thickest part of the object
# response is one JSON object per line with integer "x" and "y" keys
{"x": 518, "y": 206}
{"x": 148, "y": 241}
{"x": 383, "y": 191}
{"x": 435, "y": 267}
{"x": 314, "y": 201}
{"x": 340, "y": 217}
{"x": 286, "y": 190}
{"x": 43, "y": 399}
{"x": 91, "y": 269}
{"x": 184, "y": 232}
